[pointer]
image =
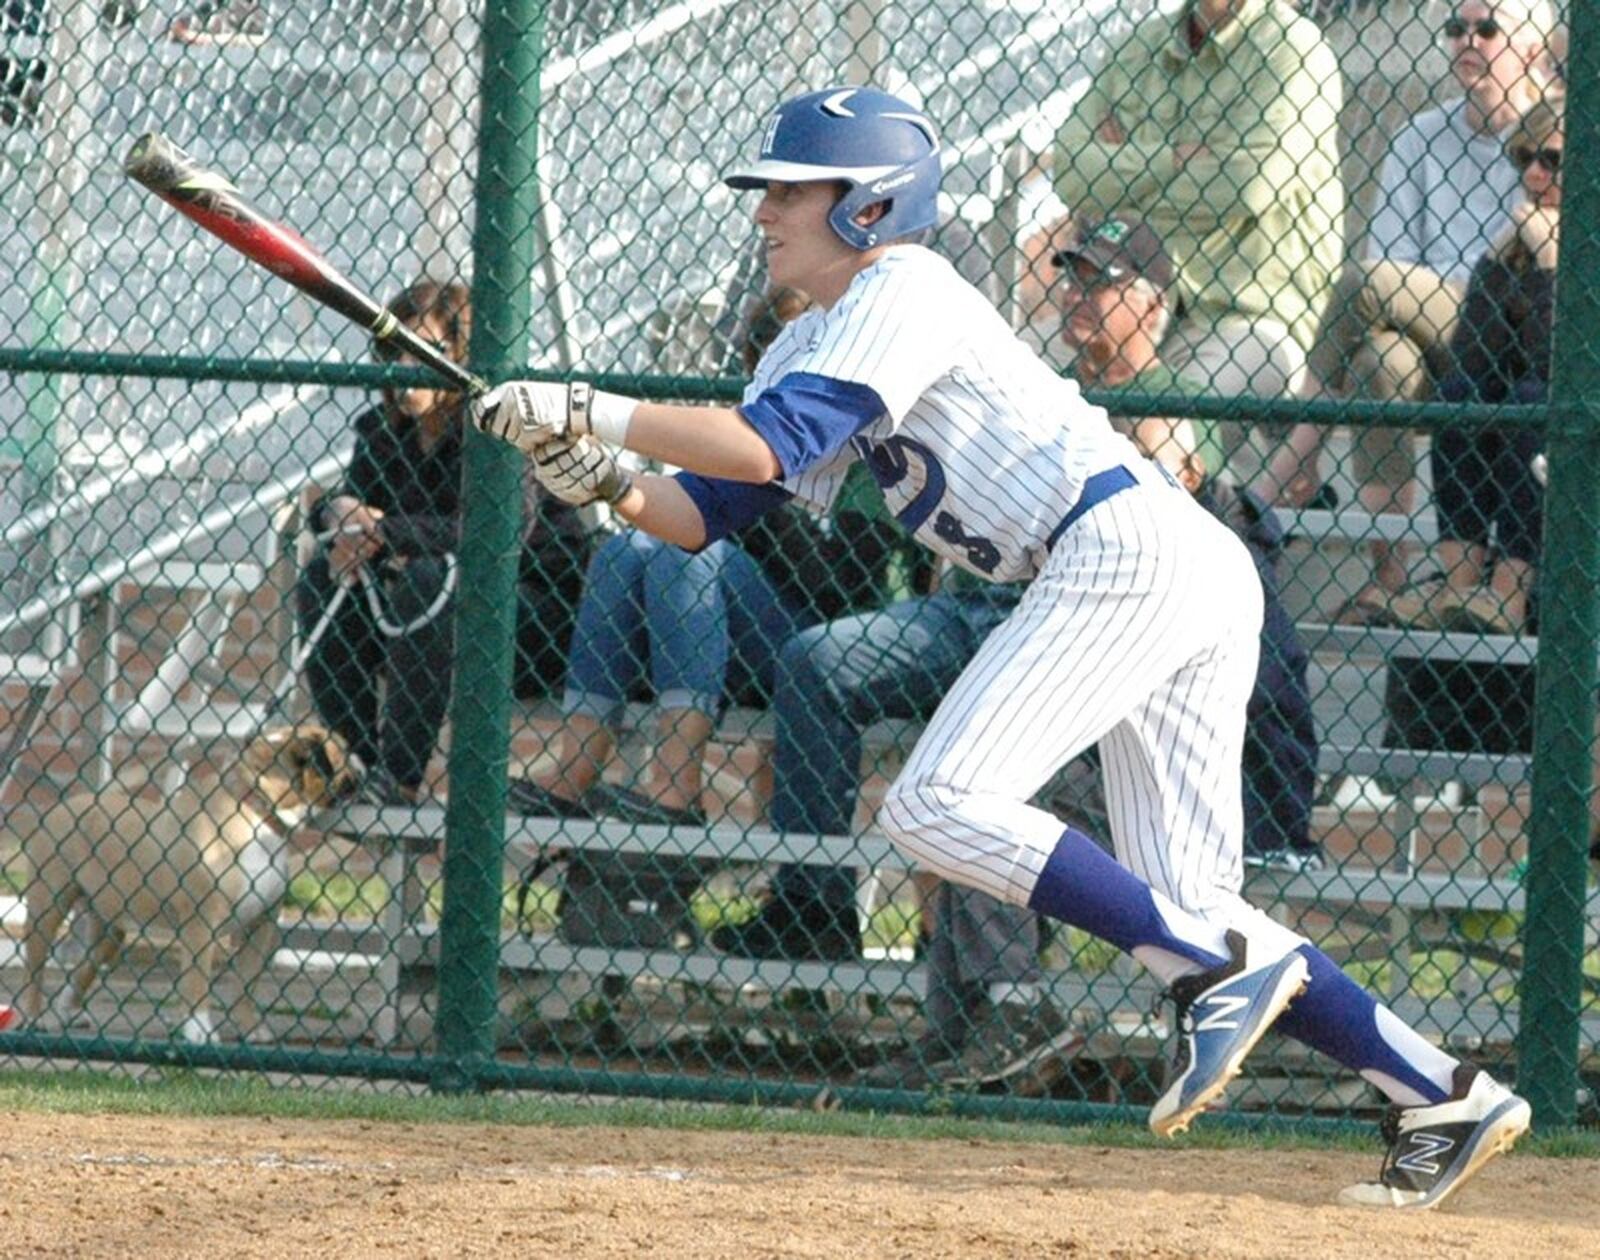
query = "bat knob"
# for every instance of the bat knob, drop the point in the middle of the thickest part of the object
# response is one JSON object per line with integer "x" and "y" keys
{"x": 158, "y": 164}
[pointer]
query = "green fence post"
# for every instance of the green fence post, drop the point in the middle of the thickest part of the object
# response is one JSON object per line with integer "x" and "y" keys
{"x": 1551, "y": 990}
{"x": 480, "y": 707}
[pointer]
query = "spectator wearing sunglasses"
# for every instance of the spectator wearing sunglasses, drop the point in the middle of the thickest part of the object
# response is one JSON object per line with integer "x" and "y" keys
{"x": 1489, "y": 502}
{"x": 1446, "y": 192}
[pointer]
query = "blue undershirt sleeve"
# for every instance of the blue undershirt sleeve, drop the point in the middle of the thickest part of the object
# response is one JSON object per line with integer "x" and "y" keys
{"x": 728, "y": 506}
{"x": 805, "y": 418}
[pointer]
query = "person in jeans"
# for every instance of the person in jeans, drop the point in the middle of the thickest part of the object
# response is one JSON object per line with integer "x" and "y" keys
{"x": 380, "y": 673}
{"x": 1446, "y": 192}
{"x": 695, "y": 630}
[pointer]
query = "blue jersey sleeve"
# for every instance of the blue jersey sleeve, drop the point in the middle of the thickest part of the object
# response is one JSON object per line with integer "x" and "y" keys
{"x": 806, "y": 418}
{"x": 728, "y": 506}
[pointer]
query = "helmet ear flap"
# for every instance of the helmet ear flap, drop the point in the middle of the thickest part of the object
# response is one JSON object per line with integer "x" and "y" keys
{"x": 911, "y": 194}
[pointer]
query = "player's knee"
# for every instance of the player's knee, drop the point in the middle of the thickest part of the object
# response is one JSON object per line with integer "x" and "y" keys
{"x": 915, "y": 815}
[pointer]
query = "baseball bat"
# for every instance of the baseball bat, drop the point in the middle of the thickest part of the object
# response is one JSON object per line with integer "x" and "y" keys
{"x": 219, "y": 207}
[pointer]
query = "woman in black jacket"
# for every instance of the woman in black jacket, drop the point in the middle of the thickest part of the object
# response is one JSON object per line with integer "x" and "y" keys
{"x": 392, "y": 528}
{"x": 1489, "y": 503}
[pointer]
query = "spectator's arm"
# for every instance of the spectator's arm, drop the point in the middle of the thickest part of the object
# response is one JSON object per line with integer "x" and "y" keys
{"x": 1096, "y": 175}
{"x": 1291, "y": 143}
{"x": 1481, "y": 339}
{"x": 363, "y": 476}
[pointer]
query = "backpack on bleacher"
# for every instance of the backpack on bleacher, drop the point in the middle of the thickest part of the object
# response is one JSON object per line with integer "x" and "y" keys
{"x": 1459, "y": 706}
{"x": 628, "y": 900}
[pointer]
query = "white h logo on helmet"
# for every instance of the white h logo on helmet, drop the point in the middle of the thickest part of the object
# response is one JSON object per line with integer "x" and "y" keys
{"x": 770, "y": 136}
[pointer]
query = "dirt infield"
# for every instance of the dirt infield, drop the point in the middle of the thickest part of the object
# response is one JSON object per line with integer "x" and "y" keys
{"x": 132, "y": 1186}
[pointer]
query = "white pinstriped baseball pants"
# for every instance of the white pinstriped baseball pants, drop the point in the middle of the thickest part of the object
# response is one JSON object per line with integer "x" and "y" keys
{"x": 1141, "y": 634}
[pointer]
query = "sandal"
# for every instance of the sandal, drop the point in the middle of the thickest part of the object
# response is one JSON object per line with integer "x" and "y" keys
{"x": 609, "y": 801}
{"x": 1370, "y": 609}
{"x": 1479, "y": 613}
{"x": 525, "y": 797}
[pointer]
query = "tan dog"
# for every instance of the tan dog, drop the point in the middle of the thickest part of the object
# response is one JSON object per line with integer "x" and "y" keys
{"x": 209, "y": 865}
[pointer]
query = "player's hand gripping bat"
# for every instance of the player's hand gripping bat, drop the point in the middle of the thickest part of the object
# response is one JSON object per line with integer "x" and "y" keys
{"x": 218, "y": 207}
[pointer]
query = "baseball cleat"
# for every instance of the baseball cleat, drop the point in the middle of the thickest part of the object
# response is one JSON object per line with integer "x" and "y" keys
{"x": 1222, "y": 1013}
{"x": 1433, "y": 1150}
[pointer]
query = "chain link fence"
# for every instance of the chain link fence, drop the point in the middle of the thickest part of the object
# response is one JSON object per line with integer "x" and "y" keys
{"x": 273, "y": 628}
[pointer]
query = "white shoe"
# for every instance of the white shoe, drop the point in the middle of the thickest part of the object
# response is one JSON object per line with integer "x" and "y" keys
{"x": 1434, "y": 1149}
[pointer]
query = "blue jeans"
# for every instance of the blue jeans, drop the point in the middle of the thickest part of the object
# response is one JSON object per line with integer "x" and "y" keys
{"x": 833, "y": 681}
{"x": 699, "y": 628}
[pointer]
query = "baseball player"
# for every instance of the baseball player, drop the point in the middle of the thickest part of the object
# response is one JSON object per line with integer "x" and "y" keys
{"x": 1000, "y": 466}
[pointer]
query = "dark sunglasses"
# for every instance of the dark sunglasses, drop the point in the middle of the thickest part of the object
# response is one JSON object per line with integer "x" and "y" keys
{"x": 1085, "y": 276}
{"x": 1550, "y": 159}
{"x": 1483, "y": 28}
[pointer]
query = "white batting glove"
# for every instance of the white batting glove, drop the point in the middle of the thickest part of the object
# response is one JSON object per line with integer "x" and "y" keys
{"x": 529, "y": 414}
{"x": 580, "y": 471}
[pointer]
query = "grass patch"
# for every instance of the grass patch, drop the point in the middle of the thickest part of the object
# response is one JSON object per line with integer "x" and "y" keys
{"x": 184, "y": 1093}
{"x": 337, "y": 895}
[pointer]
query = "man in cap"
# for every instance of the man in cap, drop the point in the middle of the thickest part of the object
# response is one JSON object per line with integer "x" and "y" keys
{"x": 1117, "y": 290}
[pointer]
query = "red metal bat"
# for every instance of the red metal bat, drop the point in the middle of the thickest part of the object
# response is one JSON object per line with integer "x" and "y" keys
{"x": 217, "y": 206}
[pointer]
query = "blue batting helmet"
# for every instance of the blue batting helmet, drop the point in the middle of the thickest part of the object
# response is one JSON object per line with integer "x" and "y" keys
{"x": 883, "y": 148}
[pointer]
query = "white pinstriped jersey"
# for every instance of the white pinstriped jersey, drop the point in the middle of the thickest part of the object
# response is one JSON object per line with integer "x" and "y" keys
{"x": 983, "y": 448}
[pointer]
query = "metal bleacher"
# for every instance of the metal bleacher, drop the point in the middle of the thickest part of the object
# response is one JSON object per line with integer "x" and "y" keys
{"x": 169, "y": 482}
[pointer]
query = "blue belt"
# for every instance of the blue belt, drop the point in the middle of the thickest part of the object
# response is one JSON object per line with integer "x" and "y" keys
{"x": 1097, "y": 489}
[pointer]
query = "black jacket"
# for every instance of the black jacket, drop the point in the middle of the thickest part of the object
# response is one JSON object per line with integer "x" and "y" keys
{"x": 419, "y": 492}
{"x": 1500, "y": 350}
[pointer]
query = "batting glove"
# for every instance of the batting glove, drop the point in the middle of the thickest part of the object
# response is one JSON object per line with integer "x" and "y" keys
{"x": 529, "y": 414}
{"x": 580, "y": 471}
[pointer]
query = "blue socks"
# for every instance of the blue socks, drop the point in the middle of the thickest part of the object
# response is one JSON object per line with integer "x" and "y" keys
{"x": 1338, "y": 1017}
{"x": 1085, "y": 886}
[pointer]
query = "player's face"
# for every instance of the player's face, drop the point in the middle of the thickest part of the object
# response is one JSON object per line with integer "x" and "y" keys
{"x": 802, "y": 250}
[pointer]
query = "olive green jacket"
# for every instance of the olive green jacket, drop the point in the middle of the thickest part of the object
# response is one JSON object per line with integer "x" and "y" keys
{"x": 1256, "y": 224}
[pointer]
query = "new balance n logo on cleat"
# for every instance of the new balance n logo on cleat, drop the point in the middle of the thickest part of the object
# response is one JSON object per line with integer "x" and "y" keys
{"x": 1222, "y": 1014}
{"x": 1434, "y": 1150}
{"x": 1423, "y": 1159}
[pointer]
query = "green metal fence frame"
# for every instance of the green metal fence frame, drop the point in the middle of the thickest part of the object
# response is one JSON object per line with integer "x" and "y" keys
{"x": 1551, "y": 987}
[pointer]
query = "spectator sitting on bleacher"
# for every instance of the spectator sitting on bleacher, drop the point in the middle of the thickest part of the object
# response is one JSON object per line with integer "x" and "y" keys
{"x": 700, "y": 629}
{"x": 1280, "y": 750}
{"x": 1446, "y": 191}
{"x": 1218, "y": 127}
{"x": 1116, "y": 297}
{"x": 1490, "y": 504}
{"x": 392, "y": 527}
